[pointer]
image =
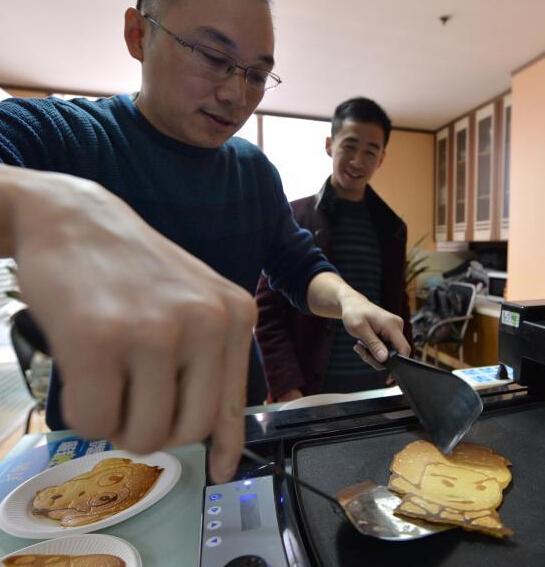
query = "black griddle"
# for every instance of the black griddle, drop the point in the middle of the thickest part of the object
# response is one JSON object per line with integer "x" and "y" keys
{"x": 333, "y": 463}
{"x": 341, "y": 444}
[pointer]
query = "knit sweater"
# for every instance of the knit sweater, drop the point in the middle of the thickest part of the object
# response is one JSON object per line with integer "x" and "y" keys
{"x": 224, "y": 205}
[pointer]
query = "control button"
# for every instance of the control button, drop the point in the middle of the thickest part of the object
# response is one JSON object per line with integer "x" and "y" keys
{"x": 215, "y": 497}
{"x": 247, "y": 561}
{"x": 214, "y": 525}
{"x": 213, "y": 542}
{"x": 215, "y": 510}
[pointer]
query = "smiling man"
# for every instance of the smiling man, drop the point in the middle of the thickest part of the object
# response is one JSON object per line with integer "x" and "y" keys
{"x": 153, "y": 338}
{"x": 366, "y": 241}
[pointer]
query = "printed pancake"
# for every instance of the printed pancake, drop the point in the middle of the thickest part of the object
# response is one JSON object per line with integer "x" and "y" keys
{"x": 464, "y": 488}
{"x": 112, "y": 486}
{"x": 39, "y": 560}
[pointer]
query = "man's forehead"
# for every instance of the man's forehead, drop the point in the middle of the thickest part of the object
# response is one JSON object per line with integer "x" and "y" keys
{"x": 233, "y": 24}
{"x": 355, "y": 131}
{"x": 210, "y": 33}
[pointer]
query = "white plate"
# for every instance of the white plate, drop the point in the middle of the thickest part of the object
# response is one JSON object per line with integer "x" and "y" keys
{"x": 15, "y": 510}
{"x": 325, "y": 399}
{"x": 85, "y": 545}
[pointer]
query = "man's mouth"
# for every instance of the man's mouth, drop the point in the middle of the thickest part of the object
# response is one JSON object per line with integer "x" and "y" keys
{"x": 222, "y": 121}
{"x": 354, "y": 176}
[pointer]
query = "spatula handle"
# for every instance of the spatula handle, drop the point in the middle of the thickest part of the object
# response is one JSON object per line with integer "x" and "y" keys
{"x": 282, "y": 472}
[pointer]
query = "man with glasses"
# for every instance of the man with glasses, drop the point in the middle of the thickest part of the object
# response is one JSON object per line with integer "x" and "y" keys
{"x": 152, "y": 339}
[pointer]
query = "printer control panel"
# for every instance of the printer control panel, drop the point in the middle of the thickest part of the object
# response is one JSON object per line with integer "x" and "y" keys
{"x": 240, "y": 525}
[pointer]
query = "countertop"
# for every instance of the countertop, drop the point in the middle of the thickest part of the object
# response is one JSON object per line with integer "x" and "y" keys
{"x": 485, "y": 306}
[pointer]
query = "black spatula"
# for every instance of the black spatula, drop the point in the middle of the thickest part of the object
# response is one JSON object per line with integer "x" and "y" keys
{"x": 445, "y": 405}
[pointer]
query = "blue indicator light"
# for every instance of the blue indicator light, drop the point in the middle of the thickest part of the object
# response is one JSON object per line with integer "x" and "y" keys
{"x": 247, "y": 483}
{"x": 281, "y": 500}
{"x": 215, "y": 497}
{"x": 247, "y": 497}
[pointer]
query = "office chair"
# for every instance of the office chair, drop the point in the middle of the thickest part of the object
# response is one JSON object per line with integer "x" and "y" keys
{"x": 444, "y": 319}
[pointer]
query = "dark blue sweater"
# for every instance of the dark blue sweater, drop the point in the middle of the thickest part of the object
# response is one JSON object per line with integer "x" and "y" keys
{"x": 226, "y": 205}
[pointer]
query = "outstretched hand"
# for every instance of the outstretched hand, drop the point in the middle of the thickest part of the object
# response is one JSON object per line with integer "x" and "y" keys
{"x": 152, "y": 344}
{"x": 330, "y": 296}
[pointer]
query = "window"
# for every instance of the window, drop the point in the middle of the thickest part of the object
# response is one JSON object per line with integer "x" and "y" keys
{"x": 65, "y": 96}
{"x": 297, "y": 148}
{"x": 249, "y": 130}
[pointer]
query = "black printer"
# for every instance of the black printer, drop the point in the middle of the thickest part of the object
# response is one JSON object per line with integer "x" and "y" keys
{"x": 522, "y": 343}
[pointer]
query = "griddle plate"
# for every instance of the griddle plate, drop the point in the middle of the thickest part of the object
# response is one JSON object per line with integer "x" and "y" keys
{"x": 338, "y": 462}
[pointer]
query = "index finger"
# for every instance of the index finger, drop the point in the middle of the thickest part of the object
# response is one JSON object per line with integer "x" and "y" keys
{"x": 397, "y": 340}
{"x": 228, "y": 435}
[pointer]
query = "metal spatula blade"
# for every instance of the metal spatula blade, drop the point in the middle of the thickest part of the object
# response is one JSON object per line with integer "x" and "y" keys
{"x": 445, "y": 405}
{"x": 367, "y": 506}
{"x": 370, "y": 507}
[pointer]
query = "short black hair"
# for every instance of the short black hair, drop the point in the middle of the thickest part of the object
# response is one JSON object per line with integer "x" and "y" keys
{"x": 361, "y": 109}
{"x": 149, "y": 6}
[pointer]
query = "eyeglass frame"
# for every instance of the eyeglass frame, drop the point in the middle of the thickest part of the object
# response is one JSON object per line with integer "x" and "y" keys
{"x": 231, "y": 68}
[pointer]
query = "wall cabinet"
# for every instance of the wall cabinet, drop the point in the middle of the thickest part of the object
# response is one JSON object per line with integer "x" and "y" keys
{"x": 472, "y": 175}
{"x": 505, "y": 169}
{"x": 484, "y": 173}
{"x": 442, "y": 185}
{"x": 461, "y": 179}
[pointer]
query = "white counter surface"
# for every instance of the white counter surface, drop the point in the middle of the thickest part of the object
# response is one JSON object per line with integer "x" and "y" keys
{"x": 484, "y": 306}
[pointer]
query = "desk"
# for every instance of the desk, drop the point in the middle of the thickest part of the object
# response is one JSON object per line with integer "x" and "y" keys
{"x": 168, "y": 533}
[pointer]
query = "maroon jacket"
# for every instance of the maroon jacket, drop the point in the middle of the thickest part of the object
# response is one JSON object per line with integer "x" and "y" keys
{"x": 295, "y": 346}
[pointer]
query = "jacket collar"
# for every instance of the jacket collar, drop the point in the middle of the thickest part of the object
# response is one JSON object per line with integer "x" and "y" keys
{"x": 383, "y": 217}
{"x": 327, "y": 199}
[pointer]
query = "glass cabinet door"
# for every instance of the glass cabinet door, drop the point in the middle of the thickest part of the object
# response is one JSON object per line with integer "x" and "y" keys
{"x": 484, "y": 158}
{"x": 506, "y": 168}
{"x": 461, "y": 170}
{"x": 441, "y": 185}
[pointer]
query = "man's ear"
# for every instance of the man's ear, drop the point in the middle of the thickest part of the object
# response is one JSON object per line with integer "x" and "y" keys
{"x": 328, "y": 144}
{"x": 134, "y": 33}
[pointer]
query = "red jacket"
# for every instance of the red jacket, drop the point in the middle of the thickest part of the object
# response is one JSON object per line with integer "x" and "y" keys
{"x": 296, "y": 346}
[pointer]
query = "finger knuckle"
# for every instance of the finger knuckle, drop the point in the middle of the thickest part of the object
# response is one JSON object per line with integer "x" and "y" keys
{"x": 242, "y": 307}
{"x": 103, "y": 329}
{"x": 213, "y": 319}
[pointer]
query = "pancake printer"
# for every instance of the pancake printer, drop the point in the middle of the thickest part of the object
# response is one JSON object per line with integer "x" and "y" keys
{"x": 522, "y": 343}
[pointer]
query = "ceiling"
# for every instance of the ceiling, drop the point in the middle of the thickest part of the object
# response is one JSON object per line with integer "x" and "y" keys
{"x": 398, "y": 52}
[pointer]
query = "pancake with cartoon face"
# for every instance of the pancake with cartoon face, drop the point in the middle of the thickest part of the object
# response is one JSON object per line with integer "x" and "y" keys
{"x": 39, "y": 560}
{"x": 464, "y": 488}
{"x": 113, "y": 485}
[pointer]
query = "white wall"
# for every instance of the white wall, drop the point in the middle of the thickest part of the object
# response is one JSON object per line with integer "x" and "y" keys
{"x": 526, "y": 261}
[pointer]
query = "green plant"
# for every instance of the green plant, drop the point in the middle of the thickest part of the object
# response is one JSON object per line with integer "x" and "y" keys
{"x": 415, "y": 264}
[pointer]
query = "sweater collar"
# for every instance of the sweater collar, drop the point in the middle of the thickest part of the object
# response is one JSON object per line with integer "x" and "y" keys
{"x": 327, "y": 199}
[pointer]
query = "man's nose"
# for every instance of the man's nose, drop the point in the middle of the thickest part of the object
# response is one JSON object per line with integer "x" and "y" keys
{"x": 360, "y": 159}
{"x": 233, "y": 89}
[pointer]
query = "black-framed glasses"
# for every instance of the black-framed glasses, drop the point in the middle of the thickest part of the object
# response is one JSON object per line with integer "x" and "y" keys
{"x": 218, "y": 66}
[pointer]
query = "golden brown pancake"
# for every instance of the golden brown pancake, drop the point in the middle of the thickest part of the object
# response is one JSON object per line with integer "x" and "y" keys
{"x": 464, "y": 488}
{"x": 39, "y": 560}
{"x": 112, "y": 486}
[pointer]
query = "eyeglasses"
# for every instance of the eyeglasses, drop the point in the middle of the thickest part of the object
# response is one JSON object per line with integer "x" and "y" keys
{"x": 220, "y": 66}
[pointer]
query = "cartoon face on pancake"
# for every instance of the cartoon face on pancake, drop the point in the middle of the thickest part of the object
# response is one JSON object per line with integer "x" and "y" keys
{"x": 111, "y": 486}
{"x": 39, "y": 560}
{"x": 463, "y": 488}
